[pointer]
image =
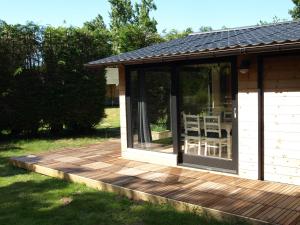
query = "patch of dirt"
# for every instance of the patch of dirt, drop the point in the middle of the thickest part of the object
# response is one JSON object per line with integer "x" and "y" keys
{"x": 66, "y": 200}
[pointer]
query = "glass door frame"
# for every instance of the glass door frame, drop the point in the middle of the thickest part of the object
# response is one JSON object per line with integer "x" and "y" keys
{"x": 193, "y": 161}
{"x": 229, "y": 166}
{"x": 129, "y": 120}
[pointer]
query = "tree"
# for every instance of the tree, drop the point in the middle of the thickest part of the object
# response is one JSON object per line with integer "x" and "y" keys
{"x": 142, "y": 15}
{"x": 175, "y": 34}
{"x": 20, "y": 78}
{"x": 121, "y": 13}
{"x": 132, "y": 28}
{"x": 205, "y": 29}
{"x": 295, "y": 12}
{"x": 74, "y": 96}
{"x": 275, "y": 20}
{"x": 43, "y": 80}
{"x": 95, "y": 24}
{"x": 25, "y": 102}
{"x": 132, "y": 37}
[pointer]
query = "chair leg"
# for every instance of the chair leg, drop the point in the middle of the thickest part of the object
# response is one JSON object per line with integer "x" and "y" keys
{"x": 199, "y": 147}
{"x": 214, "y": 148}
{"x": 220, "y": 149}
{"x": 205, "y": 148}
{"x": 229, "y": 148}
{"x": 185, "y": 146}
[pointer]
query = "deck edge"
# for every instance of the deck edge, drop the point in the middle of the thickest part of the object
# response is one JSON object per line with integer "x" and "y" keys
{"x": 135, "y": 194}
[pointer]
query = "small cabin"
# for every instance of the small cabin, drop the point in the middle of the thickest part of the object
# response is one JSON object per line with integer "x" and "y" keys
{"x": 225, "y": 101}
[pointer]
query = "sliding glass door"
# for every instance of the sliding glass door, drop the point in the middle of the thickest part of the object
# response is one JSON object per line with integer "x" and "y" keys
{"x": 185, "y": 109}
{"x": 208, "y": 114}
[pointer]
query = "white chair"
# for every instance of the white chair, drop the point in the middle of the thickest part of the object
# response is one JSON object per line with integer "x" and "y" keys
{"x": 213, "y": 135}
{"x": 192, "y": 132}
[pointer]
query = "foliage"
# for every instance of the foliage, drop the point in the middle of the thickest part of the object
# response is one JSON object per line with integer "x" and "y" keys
{"x": 121, "y": 13}
{"x": 175, "y": 34}
{"x": 132, "y": 37}
{"x": 25, "y": 103}
{"x": 71, "y": 87}
{"x": 275, "y": 20}
{"x": 295, "y": 12}
{"x": 158, "y": 89}
{"x": 96, "y": 24}
{"x": 132, "y": 27}
{"x": 205, "y": 29}
{"x": 43, "y": 78}
{"x": 160, "y": 125}
{"x": 194, "y": 89}
{"x": 20, "y": 79}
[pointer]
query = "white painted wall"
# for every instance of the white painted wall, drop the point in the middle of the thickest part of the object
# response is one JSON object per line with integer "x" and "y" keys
{"x": 282, "y": 137}
{"x": 248, "y": 135}
{"x": 282, "y": 119}
{"x": 248, "y": 121}
{"x": 122, "y": 103}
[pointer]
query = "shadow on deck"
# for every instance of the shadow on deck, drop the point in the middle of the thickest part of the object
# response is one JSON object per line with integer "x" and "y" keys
{"x": 223, "y": 197}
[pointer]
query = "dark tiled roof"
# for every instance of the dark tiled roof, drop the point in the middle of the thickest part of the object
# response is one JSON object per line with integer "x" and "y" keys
{"x": 244, "y": 37}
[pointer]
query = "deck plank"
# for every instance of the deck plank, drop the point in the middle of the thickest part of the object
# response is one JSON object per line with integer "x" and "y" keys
{"x": 238, "y": 197}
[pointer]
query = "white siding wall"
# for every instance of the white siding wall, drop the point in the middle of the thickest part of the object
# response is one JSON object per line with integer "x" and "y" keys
{"x": 282, "y": 120}
{"x": 248, "y": 122}
{"x": 122, "y": 102}
{"x": 248, "y": 138}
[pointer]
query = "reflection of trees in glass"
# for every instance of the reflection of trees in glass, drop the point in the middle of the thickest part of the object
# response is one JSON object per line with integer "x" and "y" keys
{"x": 225, "y": 82}
{"x": 196, "y": 86}
{"x": 158, "y": 83}
{"x": 195, "y": 89}
{"x": 134, "y": 99}
{"x": 156, "y": 87}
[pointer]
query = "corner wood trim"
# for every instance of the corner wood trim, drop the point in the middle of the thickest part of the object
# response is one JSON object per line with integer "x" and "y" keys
{"x": 260, "y": 87}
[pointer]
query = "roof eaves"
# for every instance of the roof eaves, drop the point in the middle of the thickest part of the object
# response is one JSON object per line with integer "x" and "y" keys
{"x": 236, "y": 50}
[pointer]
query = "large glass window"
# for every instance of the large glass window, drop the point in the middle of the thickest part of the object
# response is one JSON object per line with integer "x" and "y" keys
{"x": 206, "y": 110}
{"x": 150, "y": 109}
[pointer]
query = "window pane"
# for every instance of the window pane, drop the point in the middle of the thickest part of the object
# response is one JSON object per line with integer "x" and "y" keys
{"x": 150, "y": 108}
{"x": 206, "y": 110}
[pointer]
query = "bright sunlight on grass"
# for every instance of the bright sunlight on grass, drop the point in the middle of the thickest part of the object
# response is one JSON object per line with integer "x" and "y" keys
{"x": 111, "y": 119}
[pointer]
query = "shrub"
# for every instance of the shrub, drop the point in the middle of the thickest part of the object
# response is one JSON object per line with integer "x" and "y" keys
{"x": 24, "y": 102}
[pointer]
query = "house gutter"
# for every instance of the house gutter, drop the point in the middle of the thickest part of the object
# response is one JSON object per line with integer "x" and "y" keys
{"x": 205, "y": 54}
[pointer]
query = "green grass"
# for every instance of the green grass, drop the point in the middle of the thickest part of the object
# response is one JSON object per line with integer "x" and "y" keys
{"x": 28, "y": 198}
{"x": 111, "y": 120}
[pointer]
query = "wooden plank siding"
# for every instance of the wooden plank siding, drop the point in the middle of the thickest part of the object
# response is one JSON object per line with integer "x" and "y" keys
{"x": 248, "y": 120}
{"x": 282, "y": 118}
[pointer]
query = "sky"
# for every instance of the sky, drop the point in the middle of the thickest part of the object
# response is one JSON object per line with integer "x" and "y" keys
{"x": 178, "y": 14}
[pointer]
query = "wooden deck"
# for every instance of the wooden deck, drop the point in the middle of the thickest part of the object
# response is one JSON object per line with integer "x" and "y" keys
{"x": 226, "y": 197}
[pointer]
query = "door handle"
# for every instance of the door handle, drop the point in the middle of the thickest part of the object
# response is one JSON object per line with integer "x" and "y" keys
{"x": 234, "y": 112}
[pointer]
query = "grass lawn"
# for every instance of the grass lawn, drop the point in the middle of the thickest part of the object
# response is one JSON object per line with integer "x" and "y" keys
{"x": 28, "y": 198}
